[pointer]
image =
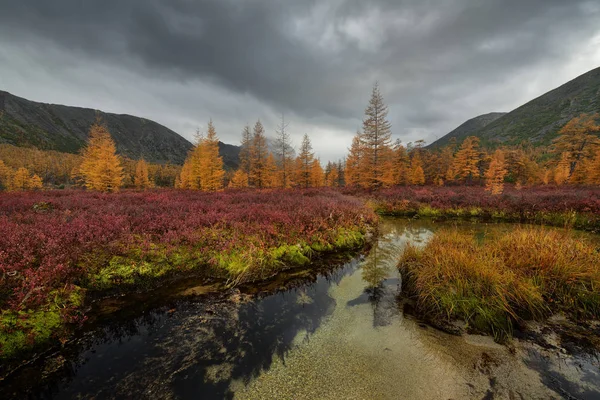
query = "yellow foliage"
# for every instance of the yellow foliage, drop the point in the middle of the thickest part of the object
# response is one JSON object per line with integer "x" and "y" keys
{"x": 239, "y": 180}
{"x": 101, "y": 168}
{"x": 141, "y": 179}
{"x": 562, "y": 170}
{"x": 494, "y": 176}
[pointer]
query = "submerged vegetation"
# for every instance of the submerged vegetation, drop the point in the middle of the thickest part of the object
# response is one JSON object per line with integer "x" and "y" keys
{"x": 57, "y": 246}
{"x": 499, "y": 281}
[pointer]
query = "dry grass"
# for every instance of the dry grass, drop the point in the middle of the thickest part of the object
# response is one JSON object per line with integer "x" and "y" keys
{"x": 527, "y": 273}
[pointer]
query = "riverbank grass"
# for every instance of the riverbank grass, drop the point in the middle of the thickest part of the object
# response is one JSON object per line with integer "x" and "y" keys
{"x": 499, "y": 281}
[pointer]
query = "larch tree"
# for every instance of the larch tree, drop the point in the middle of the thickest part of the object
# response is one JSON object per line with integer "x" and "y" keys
{"x": 35, "y": 182}
{"x": 354, "y": 161}
{"x": 495, "y": 174}
{"x": 190, "y": 176}
{"x": 239, "y": 179}
{"x": 5, "y": 175}
{"x": 377, "y": 139}
{"x": 341, "y": 169}
{"x": 284, "y": 152}
{"x": 183, "y": 180}
{"x": 246, "y": 145}
{"x": 401, "y": 164}
{"x": 304, "y": 163}
{"x": 317, "y": 175}
{"x": 593, "y": 170}
{"x": 211, "y": 163}
{"x": 578, "y": 140}
{"x": 259, "y": 153}
{"x": 416, "y": 174}
{"x": 141, "y": 179}
{"x": 466, "y": 165}
{"x": 271, "y": 177}
{"x": 332, "y": 175}
{"x": 101, "y": 168}
{"x": 563, "y": 169}
{"x": 20, "y": 180}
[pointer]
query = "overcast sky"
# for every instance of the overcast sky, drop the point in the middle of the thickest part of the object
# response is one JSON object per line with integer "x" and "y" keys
{"x": 181, "y": 62}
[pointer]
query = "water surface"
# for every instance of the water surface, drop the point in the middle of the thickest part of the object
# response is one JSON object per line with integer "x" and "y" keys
{"x": 340, "y": 334}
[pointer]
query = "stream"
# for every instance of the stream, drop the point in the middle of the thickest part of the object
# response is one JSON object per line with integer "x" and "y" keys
{"x": 342, "y": 333}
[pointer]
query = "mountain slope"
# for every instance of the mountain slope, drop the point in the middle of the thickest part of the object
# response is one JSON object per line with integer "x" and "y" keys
{"x": 468, "y": 128}
{"x": 63, "y": 128}
{"x": 539, "y": 120}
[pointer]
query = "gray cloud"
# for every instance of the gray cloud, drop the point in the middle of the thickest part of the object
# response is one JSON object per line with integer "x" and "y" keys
{"x": 181, "y": 61}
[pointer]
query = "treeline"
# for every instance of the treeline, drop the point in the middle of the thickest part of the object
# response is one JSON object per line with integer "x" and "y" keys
{"x": 373, "y": 161}
{"x": 59, "y": 170}
{"x": 260, "y": 167}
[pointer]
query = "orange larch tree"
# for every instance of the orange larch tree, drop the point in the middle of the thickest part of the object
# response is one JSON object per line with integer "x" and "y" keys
{"x": 304, "y": 163}
{"x": 101, "y": 168}
{"x": 578, "y": 140}
{"x": 260, "y": 176}
{"x": 467, "y": 161}
{"x": 211, "y": 163}
{"x": 495, "y": 174}
{"x": 141, "y": 179}
{"x": 416, "y": 175}
{"x": 317, "y": 176}
{"x": 239, "y": 180}
{"x": 377, "y": 140}
{"x": 563, "y": 169}
{"x": 5, "y": 175}
{"x": 354, "y": 161}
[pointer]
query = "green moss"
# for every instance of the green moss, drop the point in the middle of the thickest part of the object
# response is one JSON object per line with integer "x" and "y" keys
{"x": 25, "y": 330}
{"x": 429, "y": 212}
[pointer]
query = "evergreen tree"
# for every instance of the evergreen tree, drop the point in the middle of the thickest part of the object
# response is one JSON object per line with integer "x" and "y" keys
{"x": 101, "y": 168}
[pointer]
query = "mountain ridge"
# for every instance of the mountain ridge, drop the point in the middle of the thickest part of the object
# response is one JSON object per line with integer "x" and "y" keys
{"x": 539, "y": 120}
{"x": 46, "y": 126}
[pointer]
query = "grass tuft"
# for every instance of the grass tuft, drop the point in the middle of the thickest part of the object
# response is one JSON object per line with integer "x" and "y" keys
{"x": 492, "y": 284}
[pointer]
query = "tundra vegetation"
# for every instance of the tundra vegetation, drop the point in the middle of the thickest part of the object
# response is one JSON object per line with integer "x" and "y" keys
{"x": 502, "y": 280}
{"x": 61, "y": 247}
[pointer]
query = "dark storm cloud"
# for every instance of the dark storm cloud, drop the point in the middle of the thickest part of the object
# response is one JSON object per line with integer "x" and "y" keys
{"x": 437, "y": 61}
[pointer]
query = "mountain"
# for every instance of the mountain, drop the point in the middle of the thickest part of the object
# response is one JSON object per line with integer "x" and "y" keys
{"x": 468, "y": 128}
{"x": 63, "y": 128}
{"x": 539, "y": 120}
